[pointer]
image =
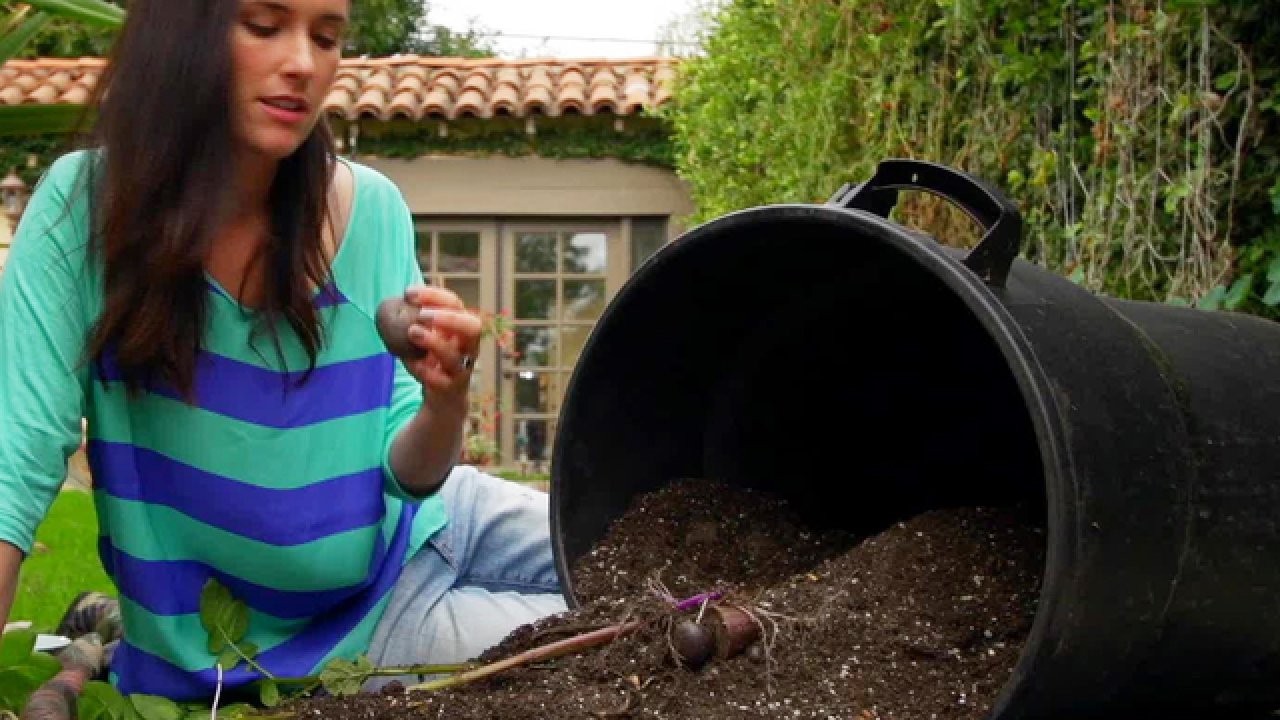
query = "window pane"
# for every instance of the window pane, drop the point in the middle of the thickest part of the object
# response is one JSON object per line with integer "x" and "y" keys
{"x": 573, "y": 338}
{"x": 467, "y": 288}
{"x": 536, "y": 345}
{"x": 535, "y": 252}
{"x": 585, "y": 253}
{"x": 424, "y": 251}
{"x": 648, "y": 235}
{"x": 583, "y": 299}
{"x": 535, "y": 299}
{"x": 536, "y": 392}
{"x": 533, "y": 441}
{"x": 459, "y": 252}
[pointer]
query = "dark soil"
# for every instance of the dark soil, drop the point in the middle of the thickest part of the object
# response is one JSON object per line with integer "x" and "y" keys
{"x": 924, "y": 620}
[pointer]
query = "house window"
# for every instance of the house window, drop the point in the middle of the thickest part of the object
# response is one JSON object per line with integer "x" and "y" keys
{"x": 451, "y": 259}
{"x": 560, "y": 281}
{"x": 647, "y": 236}
{"x": 554, "y": 277}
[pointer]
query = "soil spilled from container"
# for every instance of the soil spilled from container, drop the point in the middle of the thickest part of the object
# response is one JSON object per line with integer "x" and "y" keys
{"x": 923, "y": 620}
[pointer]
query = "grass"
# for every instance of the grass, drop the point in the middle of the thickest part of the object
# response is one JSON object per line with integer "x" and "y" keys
{"x": 64, "y": 564}
{"x": 517, "y": 476}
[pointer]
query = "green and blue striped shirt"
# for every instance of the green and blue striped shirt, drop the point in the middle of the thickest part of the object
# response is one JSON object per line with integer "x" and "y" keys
{"x": 281, "y": 491}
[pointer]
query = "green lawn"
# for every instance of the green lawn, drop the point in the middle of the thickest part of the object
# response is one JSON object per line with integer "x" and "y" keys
{"x": 517, "y": 476}
{"x": 65, "y": 563}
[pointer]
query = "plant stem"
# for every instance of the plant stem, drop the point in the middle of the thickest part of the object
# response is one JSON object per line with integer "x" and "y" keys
{"x": 248, "y": 660}
{"x": 697, "y": 600}
{"x": 390, "y": 671}
{"x": 546, "y": 652}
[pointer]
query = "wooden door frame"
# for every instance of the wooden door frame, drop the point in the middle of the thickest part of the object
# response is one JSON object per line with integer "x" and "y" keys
{"x": 617, "y": 270}
{"x": 486, "y": 377}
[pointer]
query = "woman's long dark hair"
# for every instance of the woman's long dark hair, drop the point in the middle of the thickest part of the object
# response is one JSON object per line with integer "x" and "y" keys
{"x": 164, "y": 183}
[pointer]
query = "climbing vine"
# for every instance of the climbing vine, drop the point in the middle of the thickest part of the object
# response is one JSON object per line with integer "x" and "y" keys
{"x": 30, "y": 156}
{"x": 640, "y": 139}
{"x": 1137, "y": 136}
{"x": 637, "y": 139}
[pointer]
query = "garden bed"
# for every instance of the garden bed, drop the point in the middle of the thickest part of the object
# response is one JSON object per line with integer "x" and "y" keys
{"x": 923, "y": 620}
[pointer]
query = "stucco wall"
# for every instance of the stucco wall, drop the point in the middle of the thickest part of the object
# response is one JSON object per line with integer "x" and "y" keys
{"x": 535, "y": 187}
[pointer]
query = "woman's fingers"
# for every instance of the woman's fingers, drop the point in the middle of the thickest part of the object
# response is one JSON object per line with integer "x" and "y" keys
{"x": 464, "y": 326}
{"x": 442, "y": 371}
{"x": 442, "y": 349}
{"x": 433, "y": 296}
{"x": 449, "y": 336}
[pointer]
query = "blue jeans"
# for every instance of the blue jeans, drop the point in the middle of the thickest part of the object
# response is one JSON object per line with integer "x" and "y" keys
{"x": 485, "y": 573}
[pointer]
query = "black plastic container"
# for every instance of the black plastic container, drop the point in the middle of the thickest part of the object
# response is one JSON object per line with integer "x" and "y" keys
{"x": 869, "y": 373}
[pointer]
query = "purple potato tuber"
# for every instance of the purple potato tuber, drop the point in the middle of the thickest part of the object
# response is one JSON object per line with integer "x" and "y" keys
{"x": 394, "y": 317}
{"x": 694, "y": 644}
{"x": 735, "y": 630}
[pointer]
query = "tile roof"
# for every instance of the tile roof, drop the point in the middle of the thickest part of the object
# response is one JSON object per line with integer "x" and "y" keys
{"x": 413, "y": 87}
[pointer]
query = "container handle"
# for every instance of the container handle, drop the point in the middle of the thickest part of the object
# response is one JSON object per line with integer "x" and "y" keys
{"x": 998, "y": 216}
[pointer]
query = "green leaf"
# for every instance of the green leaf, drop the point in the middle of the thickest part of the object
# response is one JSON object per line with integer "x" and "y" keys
{"x": 1212, "y": 300}
{"x": 1272, "y": 298}
{"x": 269, "y": 693}
{"x": 16, "y": 647}
{"x": 223, "y": 617}
{"x": 19, "y": 680}
{"x": 43, "y": 665}
{"x": 154, "y": 707}
{"x": 101, "y": 701}
{"x": 228, "y": 659}
{"x": 234, "y": 711}
{"x": 1273, "y": 270}
{"x": 234, "y": 653}
{"x": 344, "y": 677}
{"x": 92, "y": 12}
{"x": 1226, "y": 80}
{"x": 1239, "y": 292}
{"x": 15, "y": 689}
{"x": 12, "y": 42}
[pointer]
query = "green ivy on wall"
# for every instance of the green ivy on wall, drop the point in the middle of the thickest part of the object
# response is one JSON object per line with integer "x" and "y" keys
{"x": 30, "y": 156}
{"x": 642, "y": 140}
{"x": 1139, "y": 138}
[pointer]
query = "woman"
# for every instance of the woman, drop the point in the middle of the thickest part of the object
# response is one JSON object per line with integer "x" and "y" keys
{"x": 201, "y": 285}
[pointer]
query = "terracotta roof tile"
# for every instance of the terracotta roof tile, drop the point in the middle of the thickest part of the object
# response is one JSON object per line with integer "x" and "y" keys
{"x": 438, "y": 103}
{"x": 405, "y": 103}
{"x": 12, "y": 95}
{"x": 413, "y": 87}
{"x": 506, "y": 100}
{"x": 471, "y": 103}
{"x": 538, "y": 99}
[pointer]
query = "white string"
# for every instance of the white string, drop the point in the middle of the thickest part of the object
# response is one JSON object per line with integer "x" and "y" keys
{"x": 217, "y": 695}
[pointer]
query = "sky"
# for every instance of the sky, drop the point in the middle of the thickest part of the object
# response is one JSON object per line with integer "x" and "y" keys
{"x": 548, "y": 21}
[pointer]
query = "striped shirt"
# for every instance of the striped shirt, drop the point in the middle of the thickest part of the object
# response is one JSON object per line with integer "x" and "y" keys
{"x": 281, "y": 491}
